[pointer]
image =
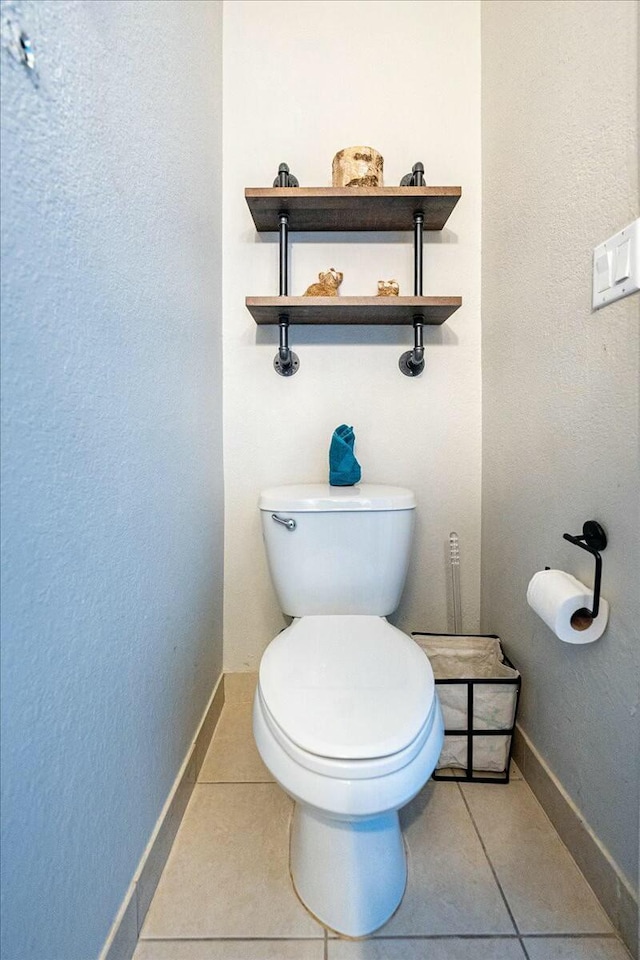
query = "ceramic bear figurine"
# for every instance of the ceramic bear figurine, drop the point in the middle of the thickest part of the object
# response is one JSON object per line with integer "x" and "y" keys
{"x": 328, "y": 286}
{"x": 388, "y": 288}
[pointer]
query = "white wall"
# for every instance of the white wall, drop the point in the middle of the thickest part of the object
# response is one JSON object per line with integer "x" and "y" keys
{"x": 561, "y": 382}
{"x": 111, "y": 448}
{"x": 301, "y": 81}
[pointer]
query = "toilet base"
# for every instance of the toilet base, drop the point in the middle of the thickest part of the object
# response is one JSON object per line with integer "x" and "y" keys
{"x": 350, "y": 874}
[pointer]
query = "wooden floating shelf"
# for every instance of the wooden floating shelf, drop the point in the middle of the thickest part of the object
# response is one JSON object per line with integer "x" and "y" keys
{"x": 351, "y": 208}
{"x": 348, "y": 310}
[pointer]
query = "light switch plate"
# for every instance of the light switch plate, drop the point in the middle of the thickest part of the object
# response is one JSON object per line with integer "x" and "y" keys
{"x": 616, "y": 266}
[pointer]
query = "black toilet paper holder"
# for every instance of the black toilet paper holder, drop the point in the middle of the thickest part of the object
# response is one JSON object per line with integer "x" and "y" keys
{"x": 593, "y": 540}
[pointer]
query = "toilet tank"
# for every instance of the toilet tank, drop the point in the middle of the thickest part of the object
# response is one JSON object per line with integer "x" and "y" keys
{"x": 347, "y": 550}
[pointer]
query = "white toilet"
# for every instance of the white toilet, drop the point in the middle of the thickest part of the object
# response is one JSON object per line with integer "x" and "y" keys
{"x": 346, "y": 715}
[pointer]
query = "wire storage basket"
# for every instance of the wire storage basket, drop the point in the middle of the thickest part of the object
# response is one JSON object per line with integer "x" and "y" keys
{"x": 479, "y": 689}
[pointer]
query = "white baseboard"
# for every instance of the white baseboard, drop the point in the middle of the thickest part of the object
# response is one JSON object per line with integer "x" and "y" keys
{"x": 609, "y": 884}
{"x": 123, "y": 936}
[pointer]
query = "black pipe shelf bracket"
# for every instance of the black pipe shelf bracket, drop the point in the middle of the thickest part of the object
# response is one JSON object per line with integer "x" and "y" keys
{"x": 285, "y": 362}
{"x": 593, "y": 540}
{"x": 415, "y": 178}
{"x": 411, "y": 362}
{"x": 295, "y": 208}
{"x": 284, "y": 178}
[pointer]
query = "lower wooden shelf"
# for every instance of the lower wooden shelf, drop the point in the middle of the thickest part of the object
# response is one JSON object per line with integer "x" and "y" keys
{"x": 346, "y": 310}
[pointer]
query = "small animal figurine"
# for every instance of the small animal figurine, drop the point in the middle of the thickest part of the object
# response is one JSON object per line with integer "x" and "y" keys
{"x": 328, "y": 286}
{"x": 388, "y": 288}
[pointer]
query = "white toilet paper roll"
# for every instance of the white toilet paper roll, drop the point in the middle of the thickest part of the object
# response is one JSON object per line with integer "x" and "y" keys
{"x": 557, "y": 598}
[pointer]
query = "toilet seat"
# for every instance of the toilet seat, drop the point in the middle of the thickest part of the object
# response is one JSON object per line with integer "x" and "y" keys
{"x": 344, "y": 693}
{"x": 348, "y": 769}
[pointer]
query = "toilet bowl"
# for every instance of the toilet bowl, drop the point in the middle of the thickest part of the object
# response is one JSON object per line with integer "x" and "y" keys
{"x": 345, "y": 715}
{"x": 347, "y": 721}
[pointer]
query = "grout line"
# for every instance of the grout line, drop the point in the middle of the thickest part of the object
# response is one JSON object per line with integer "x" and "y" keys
{"x": 231, "y": 939}
{"x": 521, "y": 936}
{"x": 493, "y": 871}
{"x": 400, "y": 937}
{"x": 571, "y": 936}
{"x": 325, "y": 952}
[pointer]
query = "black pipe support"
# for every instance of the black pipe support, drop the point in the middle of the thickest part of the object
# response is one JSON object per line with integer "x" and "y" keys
{"x": 418, "y": 228}
{"x": 284, "y": 178}
{"x": 285, "y": 362}
{"x": 411, "y": 362}
{"x": 283, "y": 221}
{"x": 415, "y": 178}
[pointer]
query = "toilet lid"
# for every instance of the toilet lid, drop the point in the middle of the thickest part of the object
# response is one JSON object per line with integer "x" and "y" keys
{"x": 347, "y": 687}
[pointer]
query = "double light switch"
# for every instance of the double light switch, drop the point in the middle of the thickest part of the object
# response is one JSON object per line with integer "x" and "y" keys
{"x": 616, "y": 266}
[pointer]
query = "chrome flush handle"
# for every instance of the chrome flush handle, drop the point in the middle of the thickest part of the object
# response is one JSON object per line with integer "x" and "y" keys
{"x": 287, "y": 522}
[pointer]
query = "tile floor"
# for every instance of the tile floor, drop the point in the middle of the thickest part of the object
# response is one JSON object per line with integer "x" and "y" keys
{"x": 489, "y": 879}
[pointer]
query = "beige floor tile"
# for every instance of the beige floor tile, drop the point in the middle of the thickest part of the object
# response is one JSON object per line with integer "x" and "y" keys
{"x": 570, "y": 948}
{"x": 230, "y": 950}
{"x": 515, "y": 773}
{"x": 449, "y": 948}
{"x": 544, "y": 888}
{"x": 450, "y": 889}
{"x": 228, "y": 872}
{"x": 232, "y": 756}
{"x": 239, "y": 687}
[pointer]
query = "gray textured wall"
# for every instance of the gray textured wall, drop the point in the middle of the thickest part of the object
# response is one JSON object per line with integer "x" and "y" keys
{"x": 111, "y": 447}
{"x": 560, "y": 383}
